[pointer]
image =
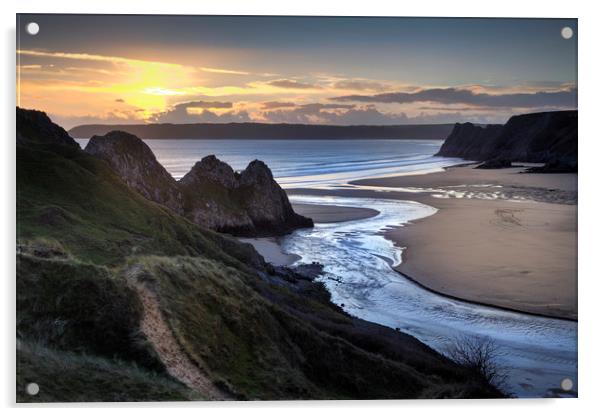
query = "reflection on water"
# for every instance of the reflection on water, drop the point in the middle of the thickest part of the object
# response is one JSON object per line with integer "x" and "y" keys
{"x": 538, "y": 352}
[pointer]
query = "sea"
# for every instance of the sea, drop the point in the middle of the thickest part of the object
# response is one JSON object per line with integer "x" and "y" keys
{"x": 305, "y": 163}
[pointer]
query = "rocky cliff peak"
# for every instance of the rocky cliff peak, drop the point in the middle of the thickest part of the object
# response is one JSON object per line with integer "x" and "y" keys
{"x": 136, "y": 164}
{"x": 249, "y": 203}
{"x": 257, "y": 172}
{"x": 212, "y": 169}
{"x": 266, "y": 202}
{"x": 36, "y": 127}
{"x": 122, "y": 142}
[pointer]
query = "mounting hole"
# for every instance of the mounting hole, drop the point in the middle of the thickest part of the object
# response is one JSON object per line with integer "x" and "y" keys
{"x": 566, "y": 384}
{"x": 566, "y": 32}
{"x": 32, "y": 389}
{"x": 32, "y": 28}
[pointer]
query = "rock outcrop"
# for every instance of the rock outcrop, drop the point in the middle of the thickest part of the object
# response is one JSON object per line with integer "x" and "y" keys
{"x": 266, "y": 202}
{"x": 210, "y": 198}
{"x": 470, "y": 141}
{"x": 34, "y": 127}
{"x": 249, "y": 203}
{"x": 541, "y": 138}
{"x": 495, "y": 164}
{"x": 136, "y": 164}
{"x": 549, "y": 138}
{"x": 211, "y": 194}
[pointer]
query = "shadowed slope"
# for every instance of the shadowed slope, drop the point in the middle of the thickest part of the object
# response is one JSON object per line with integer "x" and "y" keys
{"x": 254, "y": 332}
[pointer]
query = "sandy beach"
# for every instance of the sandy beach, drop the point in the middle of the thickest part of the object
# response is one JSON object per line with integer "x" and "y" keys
{"x": 271, "y": 250}
{"x": 518, "y": 255}
{"x": 330, "y": 213}
{"x": 499, "y": 237}
{"x": 467, "y": 175}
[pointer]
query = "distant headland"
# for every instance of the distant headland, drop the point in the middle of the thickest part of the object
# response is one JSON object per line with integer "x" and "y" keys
{"x": 268, "y": 131}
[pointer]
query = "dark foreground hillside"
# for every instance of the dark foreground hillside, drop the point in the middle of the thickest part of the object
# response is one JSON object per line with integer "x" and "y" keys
{"x": 120, "y": 299}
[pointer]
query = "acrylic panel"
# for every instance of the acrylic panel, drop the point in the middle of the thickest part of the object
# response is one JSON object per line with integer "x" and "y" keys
{"x": 288, "y": 208}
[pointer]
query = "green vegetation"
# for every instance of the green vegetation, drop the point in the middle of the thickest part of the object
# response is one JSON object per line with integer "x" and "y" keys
{"x": 68, "y": 377}
{"x": 69, "y": 305}
{"x": 259, "y": 349}
{"x": 84, "y": 237}
{"x": 68, "y": 196}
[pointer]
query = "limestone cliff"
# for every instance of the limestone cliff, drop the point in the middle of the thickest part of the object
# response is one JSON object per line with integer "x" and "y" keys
{"x": 549, "y": 138}
{"x": 249, "y": 203}
{"x": 211, "y": 194}
{"x": 470, "y": 141}
{"x": 136, "y": 164}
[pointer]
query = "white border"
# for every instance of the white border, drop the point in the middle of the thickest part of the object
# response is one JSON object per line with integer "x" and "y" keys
{"x": 590, "y": 203}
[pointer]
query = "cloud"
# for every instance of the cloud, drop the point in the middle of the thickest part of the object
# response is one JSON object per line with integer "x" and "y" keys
{"x": 456, "y": 109}
{"x": 205, "y": 104}
{"x": 30, "y": 66}
{"x": 306, "y": 113}
{"x": 292, "y": 84}
{"x": 562, "y": 99}
{"x": 223, "y": 71}
{"x": 179, "y": 113}
{"x": 359, "y": 85}
{"x": 314, "y": 114}
{"x": 352, "y": 114}
{"x": 121, "y": 60}
{"x": 111, "y": 117}
{"x": 269, "y": 105}
{"x": 90, "y": 57}
{"x": 320, "y": 106}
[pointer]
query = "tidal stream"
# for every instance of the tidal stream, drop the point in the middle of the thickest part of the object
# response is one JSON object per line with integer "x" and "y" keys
{"x": 536, "y": 352}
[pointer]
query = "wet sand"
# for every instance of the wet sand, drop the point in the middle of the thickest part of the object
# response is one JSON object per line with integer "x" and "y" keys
{"x": 271, "y": 251}
{"x": 466, "y": 175}
{"x": 330, "y": 213}
{"x": 517, "y": 250}
{"x": 518, "y": 255}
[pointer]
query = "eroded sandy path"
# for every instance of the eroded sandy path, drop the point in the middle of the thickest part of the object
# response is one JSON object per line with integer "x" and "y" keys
{"x": 178, "y": 364}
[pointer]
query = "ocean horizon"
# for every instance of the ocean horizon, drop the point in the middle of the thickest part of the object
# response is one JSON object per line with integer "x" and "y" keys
{"x": 306, "y": 163}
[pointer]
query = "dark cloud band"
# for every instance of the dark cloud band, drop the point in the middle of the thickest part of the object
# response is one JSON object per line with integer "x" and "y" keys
{"x": 292, "y": 84}
{"x": 567, "y": 98}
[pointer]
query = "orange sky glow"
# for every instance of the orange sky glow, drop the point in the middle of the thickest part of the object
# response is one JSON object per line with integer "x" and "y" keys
{"x": 189, "y": 85}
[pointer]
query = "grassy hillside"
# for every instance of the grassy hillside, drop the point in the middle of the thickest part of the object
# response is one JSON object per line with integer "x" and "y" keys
{"x": 68, "y": 377}
{"x": 85, "y": 240}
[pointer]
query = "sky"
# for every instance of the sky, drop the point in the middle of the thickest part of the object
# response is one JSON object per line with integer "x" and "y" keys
{"x": 84, "y": 69}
